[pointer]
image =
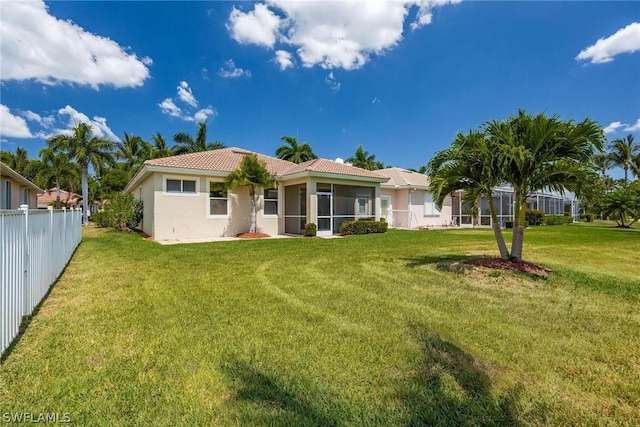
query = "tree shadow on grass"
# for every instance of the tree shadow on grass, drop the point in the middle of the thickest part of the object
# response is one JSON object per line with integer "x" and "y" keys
{"x": 447, "y": 262}
{"x": 264, "y": 400}
{"x": 451, "y": 388}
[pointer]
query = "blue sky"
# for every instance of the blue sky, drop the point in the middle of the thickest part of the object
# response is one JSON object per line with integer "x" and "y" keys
{"x": 400, "y": 78}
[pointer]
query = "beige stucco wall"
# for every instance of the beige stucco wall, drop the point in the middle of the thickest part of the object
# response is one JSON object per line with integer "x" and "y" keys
{"x": 403, "y": 199}
{"x": 180, "y": 216}
{"x": 16, "y": 194}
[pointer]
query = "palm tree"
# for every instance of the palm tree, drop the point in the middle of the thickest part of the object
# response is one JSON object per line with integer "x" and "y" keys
{"x": 603, "y": 162}
{"x": 185, "y": 143}
{"x": 635, "y": 166}
{"x": 251, "y": 173}
{"x": 57, "y": 170}
{"x": 623, "y": 206}
{"x": 473, "y": 163}
{"x": 132, "y": 150}
{"x": 622, "y": 152}
{"x": 160, "y": 148}
{"x": 543, "y": 153}
{"x": 362, "y": 159}
{"x": 17, "y": 161}
{"x": 86, "y": 150}
{"x": 294, "y": 152}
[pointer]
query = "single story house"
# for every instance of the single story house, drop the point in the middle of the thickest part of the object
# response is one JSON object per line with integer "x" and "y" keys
{"x": 406, "y": 202}
{"x": 184, "y": 196}
{"x": 67, "y": 199}
{"x": 16, "y": 190}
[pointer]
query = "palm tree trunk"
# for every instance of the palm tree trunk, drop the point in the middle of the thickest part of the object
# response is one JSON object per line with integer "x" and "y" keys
{"x": 57, "y": 194}
{"x": 518, "y": 228}
{"x": 85, "y": 194}
{"x": 497, "y": 231}
{"x": 252, "y": 194}
{"x": 626, "y": 171}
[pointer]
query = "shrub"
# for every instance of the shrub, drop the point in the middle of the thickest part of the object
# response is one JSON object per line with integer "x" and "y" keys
{"x": 508, "y": 224}
{"x": 557, "y": 220}
{"x": 310, "y": 229}
{"x": 588, "y": 217}
{"x": 100, "y": 219}
{"x": 122, "y": 212}
{"x": 534, "y": 217}
{"x": 362, "y": 227}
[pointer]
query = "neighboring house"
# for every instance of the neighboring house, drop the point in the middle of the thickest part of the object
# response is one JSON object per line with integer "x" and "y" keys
{"x": 16, "y": 190}
{"x": 550, "y": 203}
{"x": 67, "y": 199}
{"x": 406, "y": 202}
{"x": 184, "y": 197}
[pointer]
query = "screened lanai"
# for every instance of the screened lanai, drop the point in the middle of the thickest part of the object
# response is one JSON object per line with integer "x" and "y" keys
{"x": 549, "y": 203}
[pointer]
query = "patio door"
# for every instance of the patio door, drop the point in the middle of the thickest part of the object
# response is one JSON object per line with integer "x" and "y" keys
{"x": 324, "y": 209}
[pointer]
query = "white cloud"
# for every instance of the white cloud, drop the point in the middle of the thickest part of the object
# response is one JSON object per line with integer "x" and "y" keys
{"x": 204, "y": 114}
{"x": 634, "y": 127}
{"x": 259, "y": 26}
{"x": 98, "y": 124}
{"x": 185, "y": 94}
{"x": 230, "y": 71}
{"x": 13, "y": 126}
{"x": 331, "y": 34}
{"x": 330, "y": 81}
{"x": 283, "y": 59}
{"x": 36, "y": 45}
{"x": 625, "y": 40}
{"x": 44, "y": 121}
{"x": 376, "y": 100}
{"x": 169, "y": 107}
{"x": 613, "y": 126}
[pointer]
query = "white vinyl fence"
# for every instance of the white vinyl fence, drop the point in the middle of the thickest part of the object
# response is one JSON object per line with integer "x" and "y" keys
{"x": 35, "y": 246}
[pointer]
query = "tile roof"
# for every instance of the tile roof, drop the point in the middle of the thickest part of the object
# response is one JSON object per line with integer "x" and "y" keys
{"x": 50, "y": 196}
{"x": 223, "y": 160}
{"x": 329, "y": 166}
{"x": 228, "y": 159}
{"x": 404, "y": 178}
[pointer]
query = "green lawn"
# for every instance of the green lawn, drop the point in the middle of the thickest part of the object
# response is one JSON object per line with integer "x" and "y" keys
{"x": 366, "y": 330}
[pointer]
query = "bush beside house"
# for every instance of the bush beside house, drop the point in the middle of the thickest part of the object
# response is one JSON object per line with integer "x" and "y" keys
{"x": 362, "y": 227}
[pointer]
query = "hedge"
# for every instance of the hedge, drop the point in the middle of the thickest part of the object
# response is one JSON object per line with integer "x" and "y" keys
{"x": 362, "y": 227}
{"x": 557, "y": 219}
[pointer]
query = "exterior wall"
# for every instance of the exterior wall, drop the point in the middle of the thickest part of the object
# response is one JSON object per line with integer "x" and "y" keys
{"x": 409, "y": 209}
{"x": 16, "y": 195}
{"x": 146, "y": 193}
{"x": 184, "y": 216}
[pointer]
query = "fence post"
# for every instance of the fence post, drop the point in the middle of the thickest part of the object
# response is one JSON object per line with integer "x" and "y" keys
{"x": 25, "y": 261}
{"x": 51, "y": 273}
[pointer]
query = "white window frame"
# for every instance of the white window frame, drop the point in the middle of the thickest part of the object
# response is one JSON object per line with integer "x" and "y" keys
{"x": 430, "y": 208}
{"x": 180, "y": 178}
{"x": 367, "y": 207}
{"x": 217, "y": 216}
{"x": 265, "y": 200}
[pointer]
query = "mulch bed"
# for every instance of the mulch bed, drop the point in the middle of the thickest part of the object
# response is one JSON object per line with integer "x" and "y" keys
{"x": 501, "y": 264}
{"x": 252, "y": 235}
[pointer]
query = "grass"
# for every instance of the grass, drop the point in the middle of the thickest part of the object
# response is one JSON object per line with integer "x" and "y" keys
{"x": 366, "y": 330}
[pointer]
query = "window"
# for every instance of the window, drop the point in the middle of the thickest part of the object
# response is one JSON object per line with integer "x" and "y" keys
{"x": 24, "y": 197}
{"x": 7, "y": 195}
{"x": 430, "y": 208}
{"x": 271, "y": 201}
{"x": 181, "y": 186}
{"x": 217, "y": 199}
